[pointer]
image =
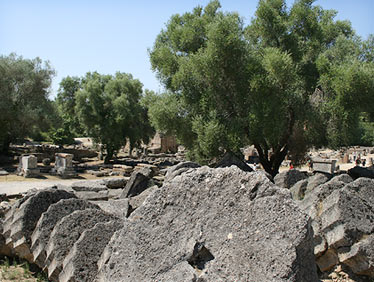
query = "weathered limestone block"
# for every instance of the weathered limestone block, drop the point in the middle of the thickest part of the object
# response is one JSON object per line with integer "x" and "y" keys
{"x": 4, "y": 249}
{"x": 178, "y": 169}
{"x": 138, "y": 200}
{"x": 324, "y": 165}
{"x": 93, "y": 196}
{"x": 28, "y": 166}
{"x": 287, "y": 179}
{"x": 8, "y": 218}
{"x": 220, "y": 224}
{"x": 115, "y": 183}
{"x": 119, "y": 208}
{"x": 27, "y": 216}
{"x": 89, "y": 186}
{"x": 343, "y": 224}
{"x": 80, "y": 265}
{"x": 66, "y": 232}
{"x": 137, "y": 183}
{"x": 48, "y": 221}
{"x": 64, "y": 165}
{"x": 357, "y": 256}
{"x": 316, "y": 180}
{"x": 298, "y": 190}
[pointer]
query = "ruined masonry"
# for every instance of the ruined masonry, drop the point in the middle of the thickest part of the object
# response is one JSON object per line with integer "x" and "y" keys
{"x": 64, "y": 165}
{"x": 203, "y": 224}
{"x": 28, "y": 166}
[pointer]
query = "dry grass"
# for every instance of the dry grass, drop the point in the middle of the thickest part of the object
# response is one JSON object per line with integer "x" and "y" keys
{"x": 18, "y": 271}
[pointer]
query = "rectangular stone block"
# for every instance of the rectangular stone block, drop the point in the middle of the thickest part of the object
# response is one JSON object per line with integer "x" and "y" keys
{"x": 326, "y": 166}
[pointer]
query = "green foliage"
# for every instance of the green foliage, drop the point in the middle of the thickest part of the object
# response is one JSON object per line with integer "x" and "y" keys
{"x": 25, "y": 110}
{"x": 231, "y": 85}
{"x": 109, "y": 109}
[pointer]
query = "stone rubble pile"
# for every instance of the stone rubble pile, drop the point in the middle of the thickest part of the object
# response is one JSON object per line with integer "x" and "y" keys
{"x": 201, "y": 224}
{"x": 342, "y": 213}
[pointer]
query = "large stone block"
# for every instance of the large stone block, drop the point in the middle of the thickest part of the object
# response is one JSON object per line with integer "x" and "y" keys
{"x": 343, "y": 224}
{"x": 80, "y": 264}
{"x": 47, "y": 222}
{"x": 26, "y": 217}
{"x": 219, "y": 224}
{"x": 287, "y": 179}
{"x": 66, "y": 232}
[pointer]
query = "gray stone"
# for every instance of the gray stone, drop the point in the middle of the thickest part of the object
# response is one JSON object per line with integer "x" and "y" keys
{"x": 316, "y": 180}
{"x": 26, "y": 217}
{"x": 287, "y": 179}
{"x": 358, "y": 171}
{"x": 230, "y": 159}
{"x": 4, "y": 208}
{"x": 93, "y": 196}
{"x": 3, "y": 172}
{"x": 114, "y": 193}
{"x": 324, "y": 165}
{"x": 119, "y": 208}
{"x": 343, "y": 224}
{"x": 138, "y": 200}
{"x": 179, "y": 169}
{"x": 227, "y": 224}
{"x": 48, "y": 221}
{"x": 66, "y": 232}
{"x": 138, "y": 182}
{"x": 5, "y": 250}
{"x": 298, "y": 190}
{"x": 64, "y": 165}
{"x": 80, "y": 264}
{"x": 115, "y": 183}
{"x": 342, "y": 178}
{"x": 28, "y": 166}
{"x": 89, "y": 185}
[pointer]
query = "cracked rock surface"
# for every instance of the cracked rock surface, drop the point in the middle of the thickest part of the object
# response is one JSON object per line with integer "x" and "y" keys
{"x": 219, "y": 224}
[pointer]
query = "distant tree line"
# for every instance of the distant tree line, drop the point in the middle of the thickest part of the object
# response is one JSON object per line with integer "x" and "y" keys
{"x": 293, "y": 78}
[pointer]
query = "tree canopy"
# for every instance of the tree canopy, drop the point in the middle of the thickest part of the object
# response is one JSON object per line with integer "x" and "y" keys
{"x": 282, "y": 80}
{"x": 109, "y": 110}
{"x": 25, "y": 109}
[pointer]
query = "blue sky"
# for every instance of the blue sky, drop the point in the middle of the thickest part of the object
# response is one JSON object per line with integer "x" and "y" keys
{"x": 78, "y": 36}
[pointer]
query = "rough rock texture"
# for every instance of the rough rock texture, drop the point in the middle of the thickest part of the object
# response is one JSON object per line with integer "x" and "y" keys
{"x": 115, "y": 183}
{"x": 80, "y": 264}
{"x": 119, "y": 208}
{"x": 214, "y": 224}
{"x": 343, "y": 224}
{"x": 230, "y": 159}
{"x": 298, "y": 190}
{"x": 137, "y": 183}
{"x": 316, "y": 180}
{"x": 358, "y": 171}
{"x": 4, "y": 249}
{"x": 138, "y": 200}
{"x": 48, "y": 221}
{"x": 26, "y": 217}
{"x": 178, "y": 169}
{"x": 287, "y": 179}
{"x": 93, "y": 196}
{"x": 66, "y": 232}
{"x": 89, "y": 186}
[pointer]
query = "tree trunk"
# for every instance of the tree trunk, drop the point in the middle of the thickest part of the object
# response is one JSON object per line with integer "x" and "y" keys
{"x": 109, "y": 155}
{"x": 4, "y": 147}
{"x": 271, "y": 165}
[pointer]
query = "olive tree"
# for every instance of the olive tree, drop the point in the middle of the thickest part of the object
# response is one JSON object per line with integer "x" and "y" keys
{"x": 239, "y": 85}
{"x": 109, "y": 109}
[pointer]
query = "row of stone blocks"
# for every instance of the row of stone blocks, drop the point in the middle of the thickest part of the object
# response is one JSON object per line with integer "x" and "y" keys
{"x": 63, "y": 235}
